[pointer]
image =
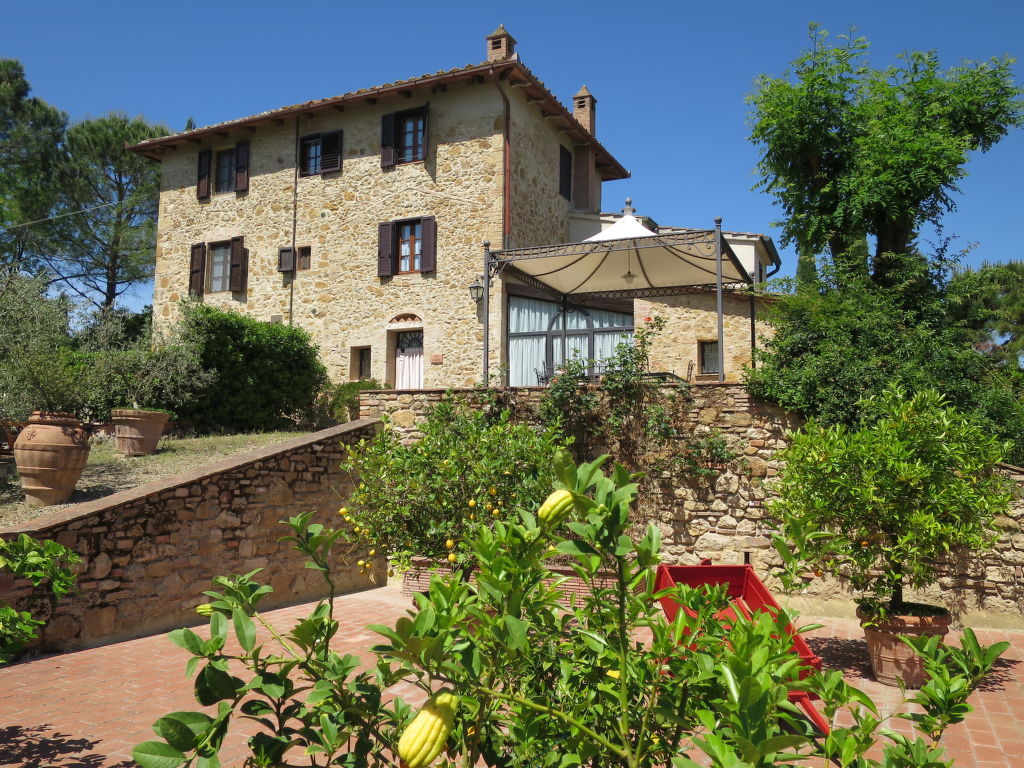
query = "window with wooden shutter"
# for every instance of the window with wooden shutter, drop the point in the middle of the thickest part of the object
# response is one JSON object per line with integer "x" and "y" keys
{"x": 239, "y": 267}
{"x": 285, "y": 260}
{"x": 304, "y": 257}
{"x": 564, "y": 172}
{"x": 197, "y": 269}
{"x": 387, "y": 141}
{"x": 385, "y": 249}
{"x": 428, "y": 231}
{"x": 242, "y": 166}
{"x": 203, "y": 175}
{"x": 330, "y": 152}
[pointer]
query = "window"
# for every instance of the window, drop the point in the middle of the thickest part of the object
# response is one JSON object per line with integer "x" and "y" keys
{"x": 564, "y": 172}
{"x": 407, "y": 245}
{"x": 225, "y": 171}
{"x": 540, "y": 337}
{"x": 230, "y": 170}
{"x": 410, "y": 246}
{"x": 320, "y": 153}
{"x": 709, "y": 357}
{"x": 412, "y": 136}
{"x": 218, "y": 267}
{"x": 305, "y": 257}
{"x": 403, "y": 137}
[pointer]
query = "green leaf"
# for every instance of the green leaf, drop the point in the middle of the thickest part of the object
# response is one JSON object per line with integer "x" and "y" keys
{"x": 516, "y": 631}
{"x": 157, "y": 754}
{"x": 187, "y": 639}
{"x": 245, "y": 629}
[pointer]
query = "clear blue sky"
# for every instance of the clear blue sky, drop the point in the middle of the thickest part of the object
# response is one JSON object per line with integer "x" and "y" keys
{"x": 670, "y": 77}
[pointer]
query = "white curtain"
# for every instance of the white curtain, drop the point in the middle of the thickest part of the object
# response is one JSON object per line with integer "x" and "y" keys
{"x": 576, "y": 345}
{"x": 525, "y": 358}
{"x": 529, "y": 315}
{"x": 409, "y": 368}
{"x": 606, "y": 342}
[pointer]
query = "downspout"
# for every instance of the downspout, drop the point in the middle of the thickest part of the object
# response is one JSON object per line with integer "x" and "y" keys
{"x": 295, "y": 218}
{"x": 506, "y": 214}
{"x": 718, "y": 299}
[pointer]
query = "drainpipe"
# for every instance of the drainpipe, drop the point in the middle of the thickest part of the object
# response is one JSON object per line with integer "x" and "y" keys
{"x": 487, "y": 313}
{"x": 295, "y": 217}
{"x": 718, "y": 297}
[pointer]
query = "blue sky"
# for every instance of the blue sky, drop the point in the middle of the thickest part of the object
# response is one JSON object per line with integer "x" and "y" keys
{"x": 670, "y": 77}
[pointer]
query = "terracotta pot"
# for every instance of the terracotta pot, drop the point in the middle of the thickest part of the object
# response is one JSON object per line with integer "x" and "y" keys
{"x": 50, "y": 453}
{"x": 138, "y": 432}
{"x": 891, "y": 658}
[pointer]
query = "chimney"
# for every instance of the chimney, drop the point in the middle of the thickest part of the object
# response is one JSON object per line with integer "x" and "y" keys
{"x": 500, "y": 45}
{"x": 584, "y": 108}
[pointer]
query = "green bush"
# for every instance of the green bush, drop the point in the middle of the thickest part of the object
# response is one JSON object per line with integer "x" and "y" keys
{"x": 267, "y": 375}
{"x": 471, "y": 465}
{"x": 342, "y": 400}
{"x": 882, "y": 506}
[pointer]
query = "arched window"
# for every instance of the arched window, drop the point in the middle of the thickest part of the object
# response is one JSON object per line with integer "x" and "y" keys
{"x": 540, "y": 337}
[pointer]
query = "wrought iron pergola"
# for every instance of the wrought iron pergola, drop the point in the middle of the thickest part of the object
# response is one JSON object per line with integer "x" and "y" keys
{"x": 668, "y": 264}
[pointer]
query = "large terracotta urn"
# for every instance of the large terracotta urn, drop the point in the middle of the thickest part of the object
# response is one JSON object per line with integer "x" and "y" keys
{"x": 50, "y": 453}
{"x": 891, "y": 658}
{"x": 138, "y": 432}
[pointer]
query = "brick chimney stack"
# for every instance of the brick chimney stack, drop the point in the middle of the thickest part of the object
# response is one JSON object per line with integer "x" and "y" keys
{"x": 584, "y": 109}
{"x": 500, "y": 45}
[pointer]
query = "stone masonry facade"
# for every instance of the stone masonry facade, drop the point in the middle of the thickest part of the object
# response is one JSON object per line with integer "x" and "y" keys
{"x": 476, "y": 127}
{"x": 723, "y": 518}
{"x": 149, "y": 553}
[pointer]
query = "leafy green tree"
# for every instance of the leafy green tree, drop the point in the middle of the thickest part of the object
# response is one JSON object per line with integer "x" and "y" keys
{"x": 106, "y": 245}
{"x": 853, "y": 153}
{"x": 835, "y": 348}
{"x": 990, "y": 301}
{"x": 31, "y": 134}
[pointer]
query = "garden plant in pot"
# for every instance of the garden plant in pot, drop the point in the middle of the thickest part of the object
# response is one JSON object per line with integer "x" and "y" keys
{"x": 146, "y": 377}
{"x": 884, "y": 508}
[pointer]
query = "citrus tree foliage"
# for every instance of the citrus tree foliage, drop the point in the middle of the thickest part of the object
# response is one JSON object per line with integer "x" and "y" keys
{"x": 990, "y": 301}
{"x": 50, "y": 568}
{"x": 851, "y": 152}
{"x": 836, "y": 347}
{"x": 31, "y": 132}
{"x": 883, "y": 506}
{"x": 471, "y": 467}
{"x": 532, "y": 681}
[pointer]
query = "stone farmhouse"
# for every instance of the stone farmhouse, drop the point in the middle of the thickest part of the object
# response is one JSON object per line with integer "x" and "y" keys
{"x": 363, "y": 219}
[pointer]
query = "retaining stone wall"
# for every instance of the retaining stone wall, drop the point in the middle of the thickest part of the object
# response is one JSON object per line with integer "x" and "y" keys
{"x": 723, "y": 518}
{"x": 148, "y": 553}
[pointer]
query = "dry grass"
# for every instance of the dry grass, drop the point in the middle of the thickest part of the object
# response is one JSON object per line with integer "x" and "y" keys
{"x": 108, "y": 471}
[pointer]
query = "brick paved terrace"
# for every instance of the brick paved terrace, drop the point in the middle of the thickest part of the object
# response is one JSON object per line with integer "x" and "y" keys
{"x": 87, "y": 709}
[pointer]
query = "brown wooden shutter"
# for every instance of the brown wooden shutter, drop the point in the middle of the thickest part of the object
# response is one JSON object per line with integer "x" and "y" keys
{"x": 285, "y": 260}
{"x": 385, "y": 249}
{"x": 428, "y": 254}
{"x": 242, "y": 166}
{"x": 387, "y": 141}
{"x": 304, "y": 257}
{"x": 238, "y": 268}
{"x": 197, "y": 269}
{"x": 330, "y": 152}
{"x": 203, "y": 175}
{"x": 426, "y": 130}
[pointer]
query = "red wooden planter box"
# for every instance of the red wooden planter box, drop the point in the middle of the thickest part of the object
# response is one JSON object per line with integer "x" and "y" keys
{"x": 747, "y": 594}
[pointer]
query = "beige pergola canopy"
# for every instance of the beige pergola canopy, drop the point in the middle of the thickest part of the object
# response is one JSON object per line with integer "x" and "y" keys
{"x": 624, "y": 261}
{"x": 628, "y": 260}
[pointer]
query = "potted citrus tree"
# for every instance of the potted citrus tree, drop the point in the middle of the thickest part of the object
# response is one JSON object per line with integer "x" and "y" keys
{"x": 883, "y": 508}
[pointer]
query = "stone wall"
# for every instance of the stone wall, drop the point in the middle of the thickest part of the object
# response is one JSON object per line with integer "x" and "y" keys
{"x": 723, "y": 517}
{"x": 148, "y": 553}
